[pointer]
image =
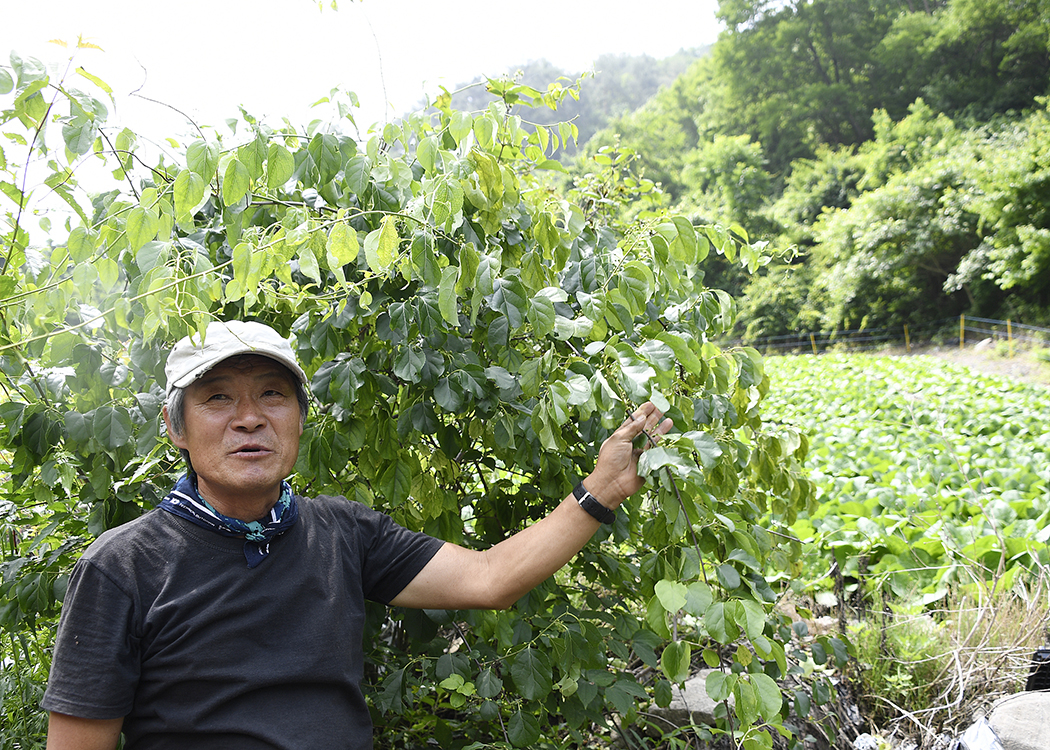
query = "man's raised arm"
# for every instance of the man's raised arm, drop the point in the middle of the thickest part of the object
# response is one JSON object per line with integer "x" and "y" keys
{"x": 458, "y": 578}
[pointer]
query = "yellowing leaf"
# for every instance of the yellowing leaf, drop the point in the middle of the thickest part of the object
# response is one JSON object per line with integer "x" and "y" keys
{"x": 343, "y": 246}
{"x": 381, "y": 245}
{"x": 96, "y": 80}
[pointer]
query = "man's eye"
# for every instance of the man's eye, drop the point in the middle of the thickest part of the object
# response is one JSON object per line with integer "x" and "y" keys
{"x": 217, "y": 397}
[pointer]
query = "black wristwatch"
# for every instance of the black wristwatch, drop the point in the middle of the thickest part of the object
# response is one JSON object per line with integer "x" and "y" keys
{"x": 590, "y": 504}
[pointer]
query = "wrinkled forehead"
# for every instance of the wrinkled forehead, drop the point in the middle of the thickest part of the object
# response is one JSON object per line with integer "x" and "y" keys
{"x": 253, "y": 365}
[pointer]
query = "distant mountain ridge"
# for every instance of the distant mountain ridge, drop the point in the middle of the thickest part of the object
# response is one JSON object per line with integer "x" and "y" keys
{"x": 617, "y": 85}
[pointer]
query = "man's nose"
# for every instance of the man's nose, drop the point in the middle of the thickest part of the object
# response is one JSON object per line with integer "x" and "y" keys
{"x": 249, "y": 415}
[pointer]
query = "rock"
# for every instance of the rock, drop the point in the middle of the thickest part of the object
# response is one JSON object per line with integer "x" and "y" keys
{"x": 1022, "y": 721}
{"x": 691, "y": 705}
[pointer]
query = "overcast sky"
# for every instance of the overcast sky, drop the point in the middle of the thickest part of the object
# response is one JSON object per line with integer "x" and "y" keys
{"x": 276, "y": 57}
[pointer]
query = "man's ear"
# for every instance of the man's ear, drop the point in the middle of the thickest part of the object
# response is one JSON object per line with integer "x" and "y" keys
{"x": 178, "y": 440}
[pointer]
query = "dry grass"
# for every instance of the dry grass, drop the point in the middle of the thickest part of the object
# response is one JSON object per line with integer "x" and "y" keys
{"x": 927, "y": 674}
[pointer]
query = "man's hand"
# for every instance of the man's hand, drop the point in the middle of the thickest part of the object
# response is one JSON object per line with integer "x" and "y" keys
{"x": 615, "y": 477}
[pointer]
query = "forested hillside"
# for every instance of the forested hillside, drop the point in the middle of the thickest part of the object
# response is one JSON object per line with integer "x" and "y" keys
{"x": 615, "y": 86}
{"x": 892, "y": 154}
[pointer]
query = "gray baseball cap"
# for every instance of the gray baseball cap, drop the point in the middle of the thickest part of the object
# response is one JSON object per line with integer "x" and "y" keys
{"x": 190, "y": 358}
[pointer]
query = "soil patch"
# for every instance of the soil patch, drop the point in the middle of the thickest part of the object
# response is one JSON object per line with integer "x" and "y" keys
{"x": 983, "y": 357}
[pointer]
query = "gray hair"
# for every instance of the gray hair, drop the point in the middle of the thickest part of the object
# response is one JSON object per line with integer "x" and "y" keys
{"x": 176, "y": 404}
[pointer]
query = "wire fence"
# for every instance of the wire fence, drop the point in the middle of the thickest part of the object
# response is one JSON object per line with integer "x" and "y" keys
{"x": 946, "y": 331}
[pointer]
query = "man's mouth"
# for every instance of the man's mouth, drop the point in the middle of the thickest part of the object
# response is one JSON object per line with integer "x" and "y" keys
{"x": 250, "y": 449}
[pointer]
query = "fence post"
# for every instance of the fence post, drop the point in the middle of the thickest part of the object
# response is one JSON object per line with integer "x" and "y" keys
{"x": 1010, "y": 337}
{"x": 907, "y": 339}
{"x": 813, "y": 343}
{"x": 962, "y": 331}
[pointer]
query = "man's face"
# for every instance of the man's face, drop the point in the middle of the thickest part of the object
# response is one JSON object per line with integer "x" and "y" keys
{"x": 242, "y": 432}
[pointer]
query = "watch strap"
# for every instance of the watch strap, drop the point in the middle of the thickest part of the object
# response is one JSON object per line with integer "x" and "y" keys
{"x": 590, "y": 504}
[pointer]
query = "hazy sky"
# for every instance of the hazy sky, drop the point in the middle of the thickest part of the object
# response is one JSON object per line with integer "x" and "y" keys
{"x": 276, "y": 57}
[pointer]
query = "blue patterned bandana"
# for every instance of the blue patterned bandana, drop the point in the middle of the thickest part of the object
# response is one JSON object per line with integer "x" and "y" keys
{"x": 185, "y": 502}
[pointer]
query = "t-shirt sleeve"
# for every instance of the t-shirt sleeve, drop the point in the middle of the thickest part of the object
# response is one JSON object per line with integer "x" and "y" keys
{"x": 393, "y": 555}
{"x": 95, "y": 667}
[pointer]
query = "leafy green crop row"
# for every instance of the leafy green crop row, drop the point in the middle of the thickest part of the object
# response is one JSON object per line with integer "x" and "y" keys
{"x": 930, "y": 476}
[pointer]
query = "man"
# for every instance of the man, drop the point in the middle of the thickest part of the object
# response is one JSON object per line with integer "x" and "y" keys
{"x": 232, "y": 616}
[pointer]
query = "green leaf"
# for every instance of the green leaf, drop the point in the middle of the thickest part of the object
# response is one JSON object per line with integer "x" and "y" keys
{"x": 80, "y": 71}
{"x": 654, "y": 459}
{"x": 489, "y": 684}
{"x": 202, "y": 158}
{"x": 189, "y": 193}
{"x": 672, "y": 594}
{"x": 357, "y": 174}
{"x": 151, "y": 255}
{"x": 746, "y": 707}
{"x": 698, "y": 598}
{"x": 755, "y": 618}
{"x": 686, "y": 238}
{"x": 656, "y": 618}
{"x": 235, "y": 182}
{"x": 508, "y": 297}
{"x": 280, "y": 166}
{"x": 719, "y": 685}
{"x": 308, "y": 262}
{"x": 426, "y": 153}
{"x": 705, "y": 446}
{"x": 395, "y": 481}
{"x": 141, "y": 227}
{"x": 686, "y": 357}
{"x": 7, "y": 83}
{"x": 460, "y": 125}
{"x": 112, "y": 426}
{"x": 541, "y": 314}
{"x": 720, "y": 627}
{"x": 675, "y": 661}
{"x": 447, "y": 301}
{"x": 523, "y": 729}
{"x": 769, "y": 697}
{"x": 531, "y": 671}
{"x": 79, "y": 135}
{"x": 409, "y": 363}
{"x": 446, "y": 200}
{"x": 728, "y": 576}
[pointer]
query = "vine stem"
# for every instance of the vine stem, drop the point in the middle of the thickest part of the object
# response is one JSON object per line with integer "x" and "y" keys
{"x": 25, "y": 174}
{"x": 681, "y": 503}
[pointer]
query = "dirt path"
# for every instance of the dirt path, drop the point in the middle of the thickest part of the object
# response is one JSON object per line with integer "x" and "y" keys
{"x": 1022, "y": 366}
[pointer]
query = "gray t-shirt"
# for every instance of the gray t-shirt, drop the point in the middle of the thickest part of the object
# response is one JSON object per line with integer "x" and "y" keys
{"x": 165, "y": 625}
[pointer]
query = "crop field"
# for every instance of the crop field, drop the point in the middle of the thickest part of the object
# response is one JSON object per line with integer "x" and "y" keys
{"x": 932, "y": 520}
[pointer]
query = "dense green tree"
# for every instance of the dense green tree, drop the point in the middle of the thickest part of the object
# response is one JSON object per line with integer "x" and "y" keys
{"x": 728, "y": 183}
{"x": 980, "y": 57}
{"x": 471, "y": 334}
{"x": 885, "y": 260}
{"x": 794, "y": 75}
{"x": 1012, "y": 201}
